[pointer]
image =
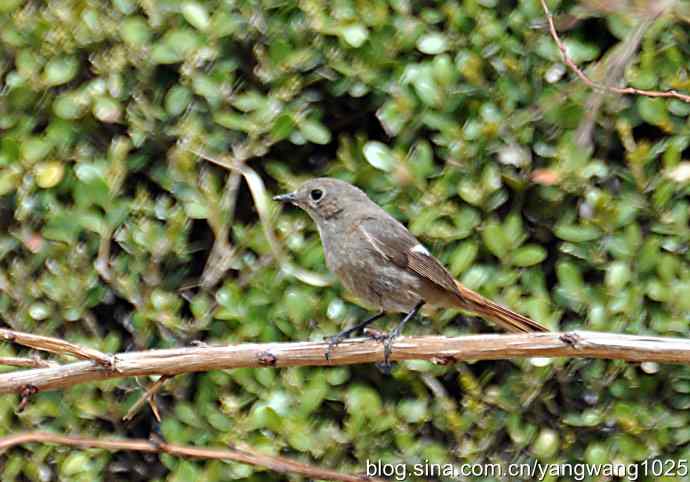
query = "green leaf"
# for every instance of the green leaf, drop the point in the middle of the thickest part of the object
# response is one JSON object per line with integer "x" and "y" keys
{"x": 491, "y": 178}
{"x": 422, "y": 78}
{"x": 63, "y": 227}
{"x": 580, "y": 51}
{"x": 107, "y": 109}
{"x": 363, "y": 400}
{"x": 60, "y": 71}
{"x": 177, "y": 100}
{"x": 547, "y": 444}
{"x": 421, "y": 160}
{"x": 577, "y": 233}
{"x": 315, "y": 132}
{"x": 234, "y": 121}
{"x": 10, "y": 5}
{"x": 463, "y": 257}
{"x": 36, "y": 148}
{"x": 355, "y": 34}
{"x": 196, "y": 14}
{"x": 528, "y": 255}
{"x": 49, "y": 174}
{"x": 135, "y": 31}
{"x": 391, "y": 118}
{"x": 569, "y": 276}
{"x": 471, "y": 192}
{"x": 413, "y": 411}
{"x": 9, "y": 180}
{"x": 379, "y": 155}
{"x": 495, "y": 239}
{"x": 282, "y": 127}
{"x": 432, "y": 43}
{"x": 653, "y": 111}
{"x": 70, "y": 105}
{"x": 617, "y": 275}
{"x": 75, "y": 463}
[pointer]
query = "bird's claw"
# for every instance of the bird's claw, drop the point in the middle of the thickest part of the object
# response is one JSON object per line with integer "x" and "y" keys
{"x": 386, "y": 366}
{"x": 333, "y": 341}
{"x": 376, "y": 335}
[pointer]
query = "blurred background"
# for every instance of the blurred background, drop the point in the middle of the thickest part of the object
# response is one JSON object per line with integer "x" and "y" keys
{"x": 459, "y": 118}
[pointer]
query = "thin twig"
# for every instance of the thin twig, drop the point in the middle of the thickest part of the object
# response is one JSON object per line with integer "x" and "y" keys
{"x": 25, "y": 362}
{"x": 261, "y": 202}
{"x": 596, "y": 85}
{"x": 147, "y": 396}
{"x": 102, "y": 263}
{"x": 439, "y": 349}
{"x": 56, "y": 345}
{"x": 222, "y": 253}
{"x": 242, "y": 455}
{"x": 614, "y": 68}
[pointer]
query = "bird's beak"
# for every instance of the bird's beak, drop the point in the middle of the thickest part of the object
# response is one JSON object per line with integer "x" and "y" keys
{"x": 289, "y": 197}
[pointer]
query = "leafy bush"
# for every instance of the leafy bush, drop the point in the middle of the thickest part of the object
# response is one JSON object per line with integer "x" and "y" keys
{"x": 458, "y": 118}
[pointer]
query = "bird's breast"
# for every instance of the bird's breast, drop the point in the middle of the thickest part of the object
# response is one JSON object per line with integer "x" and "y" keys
{"x": 375, "y": 280}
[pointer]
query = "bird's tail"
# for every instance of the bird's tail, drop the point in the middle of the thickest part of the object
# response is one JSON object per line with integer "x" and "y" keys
{"x": 505, "y": 318}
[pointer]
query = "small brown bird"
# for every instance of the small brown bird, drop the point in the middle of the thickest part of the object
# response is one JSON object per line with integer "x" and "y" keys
{"x": 383, "y": 264}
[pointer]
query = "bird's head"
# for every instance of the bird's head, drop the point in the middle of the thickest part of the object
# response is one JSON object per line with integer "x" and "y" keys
{"x": 324, "y": 198}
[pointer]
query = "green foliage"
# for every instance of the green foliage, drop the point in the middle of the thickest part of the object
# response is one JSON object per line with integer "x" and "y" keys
{"x": 455, "y": 116}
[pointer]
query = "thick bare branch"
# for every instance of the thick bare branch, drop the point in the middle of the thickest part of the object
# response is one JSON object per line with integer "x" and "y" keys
{"x": 243, "y": 455}
{"x": 440, "y": 349}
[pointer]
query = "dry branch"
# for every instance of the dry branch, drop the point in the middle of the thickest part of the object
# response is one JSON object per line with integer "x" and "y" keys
{"x": 148, "y": 397}
{"x": 262, "y": 204}
{"x": 238, "y": 454}
{"x": 614, "y": 69}
{"x": 440, "y": 349}
{"x": 25, "y": 362}
{"x": 56, "y": 345}
{"x": 596, "y": 85}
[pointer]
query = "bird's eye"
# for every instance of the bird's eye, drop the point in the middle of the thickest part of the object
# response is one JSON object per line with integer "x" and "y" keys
{"x": 316, "y": 194}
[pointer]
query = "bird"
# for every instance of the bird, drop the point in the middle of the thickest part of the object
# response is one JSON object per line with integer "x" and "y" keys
{"x": 383, "y": 265}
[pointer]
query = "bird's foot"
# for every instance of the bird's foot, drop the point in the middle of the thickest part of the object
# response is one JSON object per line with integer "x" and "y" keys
{"x": 386, "y": 366}
{"x": 334, "y": 341}
{"x": 374, "y": 334}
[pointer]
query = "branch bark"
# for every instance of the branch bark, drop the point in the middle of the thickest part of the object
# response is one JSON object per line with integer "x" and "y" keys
{"x": 439, "y": 349}
{"x": 243, "y": 455}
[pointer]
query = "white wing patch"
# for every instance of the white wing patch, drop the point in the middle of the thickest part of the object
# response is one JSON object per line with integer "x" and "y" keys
{"x": 420, "y": 249}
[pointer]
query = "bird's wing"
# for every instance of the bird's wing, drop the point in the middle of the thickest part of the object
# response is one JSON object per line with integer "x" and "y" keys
{"x": 394, "y": 242}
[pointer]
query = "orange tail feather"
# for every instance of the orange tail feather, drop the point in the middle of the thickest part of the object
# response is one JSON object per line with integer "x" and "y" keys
{"x": 502, "y": 316}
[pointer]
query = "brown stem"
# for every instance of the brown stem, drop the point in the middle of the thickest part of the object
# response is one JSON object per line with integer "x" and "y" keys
{"x": 56, "y": 345}
{"x": 147, "y": 396}
{"x": 596, "y": 85}
{"x": 243, "y": 455}
{"x": 25, "y": 362}
{"x": 222, "y": 253}
{"x": 614, "y": 70}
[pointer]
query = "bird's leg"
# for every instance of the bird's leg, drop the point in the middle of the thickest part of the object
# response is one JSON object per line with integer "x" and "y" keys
{"x": 387, "y": 349}
{"x": 335, "y": 339}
